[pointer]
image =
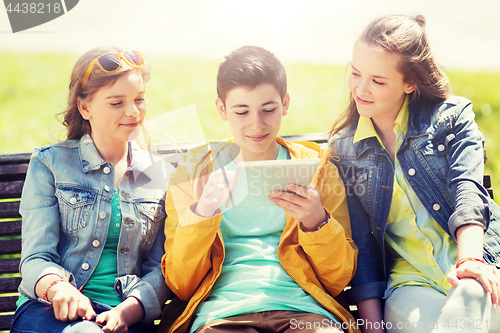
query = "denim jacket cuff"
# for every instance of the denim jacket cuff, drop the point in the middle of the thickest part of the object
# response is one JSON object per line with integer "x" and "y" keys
{"x": 366, "y": 291}
{"x": 32, "y": 276}
{"x": 133, "y": 286}
{"x": 478, "y": 215}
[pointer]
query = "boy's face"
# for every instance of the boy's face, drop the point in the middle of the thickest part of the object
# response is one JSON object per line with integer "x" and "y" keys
{"x": 254, "y": 118}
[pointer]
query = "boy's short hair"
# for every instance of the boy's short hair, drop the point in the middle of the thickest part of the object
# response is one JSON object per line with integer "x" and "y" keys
{"x": 249, "y": 66}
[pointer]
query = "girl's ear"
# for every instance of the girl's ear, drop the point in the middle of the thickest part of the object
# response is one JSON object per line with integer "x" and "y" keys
{"x": 410, "y": 87}
{"x": 221, "y": 108}
{"x": 83, "y": 108}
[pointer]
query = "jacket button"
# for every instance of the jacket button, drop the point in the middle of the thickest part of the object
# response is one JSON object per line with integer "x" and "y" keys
{"x": 102, "y": 215}
{"x": 85, "y": 266}
{"x": 411, "y": 172}
{"x": 436, "y": 207}
{"x": 106, "y": 188}
{"x": 72, "y": 200}
{"x": 95, "y": 243}
{"x": 106, "y": 170}
{"x": 441, "y": 147}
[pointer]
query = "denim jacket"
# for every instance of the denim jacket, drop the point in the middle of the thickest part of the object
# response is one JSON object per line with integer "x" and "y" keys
{"x": 66, "y": 208}
{"x": 442, "y": 158}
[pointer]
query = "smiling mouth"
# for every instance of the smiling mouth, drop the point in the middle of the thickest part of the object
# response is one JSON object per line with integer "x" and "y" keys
{"x": 258, "y": 138}
{"x": 131, "y": 124}
{"x": 362, "y": 101}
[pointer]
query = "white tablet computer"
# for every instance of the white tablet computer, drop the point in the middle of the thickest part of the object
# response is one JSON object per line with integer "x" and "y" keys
{"x": 254, "y": 181}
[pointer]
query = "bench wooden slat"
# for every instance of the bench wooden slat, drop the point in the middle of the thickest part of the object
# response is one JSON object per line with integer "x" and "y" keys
{"x": 9, "y": 265}
{"x": 10, "y": 228}
{"x": 13, "y": 169}
{"x": 8, "y": 285}
{"x": 9, "y": 209}
{"x": 11, "y": 189}
{"x": 10, "y": 246}
{"x": 7, "y": 303}
{"x": 15, "y": 158}
{"x": 5, "y": 322}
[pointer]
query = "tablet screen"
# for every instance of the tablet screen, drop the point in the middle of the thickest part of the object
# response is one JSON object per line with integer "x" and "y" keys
{"x": 254, "y": 181}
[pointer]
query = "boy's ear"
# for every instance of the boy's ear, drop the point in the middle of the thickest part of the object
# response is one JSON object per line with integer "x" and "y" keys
{"x": 286, "y": 103}
{"x": 221, "y": 108}
{"x": 83, "y": 108}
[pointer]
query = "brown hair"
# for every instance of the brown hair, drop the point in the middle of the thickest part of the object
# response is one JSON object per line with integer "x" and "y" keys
{"x": 76, "y": 125}
{"x": 249, "y": 66}
{"x": 403, "y": 35}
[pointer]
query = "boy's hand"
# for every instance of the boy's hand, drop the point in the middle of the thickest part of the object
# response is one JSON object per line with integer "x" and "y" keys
{"x": 215, "y": 193}
{"x": 302, "y": 203}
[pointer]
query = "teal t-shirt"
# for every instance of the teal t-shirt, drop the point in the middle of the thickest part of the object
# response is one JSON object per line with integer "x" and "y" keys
{"x": 252, "y": 278}
{"x": 100, "y": 286}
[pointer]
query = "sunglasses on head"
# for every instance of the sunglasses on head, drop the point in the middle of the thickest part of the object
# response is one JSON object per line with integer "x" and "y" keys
{"x": 110, "y": 62}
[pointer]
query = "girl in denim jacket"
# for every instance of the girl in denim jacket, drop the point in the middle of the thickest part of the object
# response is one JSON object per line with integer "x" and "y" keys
{"x": 411, "y": 158}
{"x": 92, "y": 209}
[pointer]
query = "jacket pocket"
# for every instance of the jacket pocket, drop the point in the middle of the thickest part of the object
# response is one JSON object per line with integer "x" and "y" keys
{"x": 75, "y": 207}
{"x": 357, "y": 185}
{"x": 435, "y": 152}
{"x": 151, "y": 214}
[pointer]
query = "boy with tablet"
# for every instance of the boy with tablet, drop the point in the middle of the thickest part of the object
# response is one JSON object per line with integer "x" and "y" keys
{"x": 271, "y": 268}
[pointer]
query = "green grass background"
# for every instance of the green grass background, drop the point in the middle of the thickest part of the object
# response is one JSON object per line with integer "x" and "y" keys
{"x": 33, "y": 88}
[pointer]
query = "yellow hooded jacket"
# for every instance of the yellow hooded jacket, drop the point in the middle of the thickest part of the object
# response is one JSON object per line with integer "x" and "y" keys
{"x": 321, "y": 262}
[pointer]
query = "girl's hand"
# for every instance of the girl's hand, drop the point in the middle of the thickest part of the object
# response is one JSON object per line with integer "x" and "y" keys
{"x": 69, "y": 303}
{"x": 112, "y": 321}
{"x": 215, "y": 193}
{"x": 487, "y": 275}
{"x": 125, "y": 314}
{"x": 302, "y": 203}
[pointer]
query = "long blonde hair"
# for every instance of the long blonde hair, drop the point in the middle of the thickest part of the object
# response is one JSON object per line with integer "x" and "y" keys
{"x": 73, "y": 120}
{"x": 403, "y": 35}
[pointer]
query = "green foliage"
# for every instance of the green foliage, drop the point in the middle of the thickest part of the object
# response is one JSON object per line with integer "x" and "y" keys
{"x": 33, "y": 88}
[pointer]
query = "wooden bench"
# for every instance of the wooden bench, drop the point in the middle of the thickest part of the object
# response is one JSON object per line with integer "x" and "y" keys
{"x": 12, "y": 174}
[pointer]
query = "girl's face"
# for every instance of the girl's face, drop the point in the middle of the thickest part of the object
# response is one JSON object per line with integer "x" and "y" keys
{"x": 376, "y": 84}
{"x": 116, "y": 112}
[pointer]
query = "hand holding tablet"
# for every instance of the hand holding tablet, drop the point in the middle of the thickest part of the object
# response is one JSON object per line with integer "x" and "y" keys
{"x": 254, "y": 181}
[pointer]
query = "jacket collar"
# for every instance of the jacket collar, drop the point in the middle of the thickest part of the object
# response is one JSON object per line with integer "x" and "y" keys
{"x": 89, "y": 156}
{"x": 140, "y": 165}
{"x": 419, "y": 121}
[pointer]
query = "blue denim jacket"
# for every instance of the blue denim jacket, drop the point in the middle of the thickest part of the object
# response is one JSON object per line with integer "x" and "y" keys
{"x": 442, "y": 157}
{"x": 66, "y": 207}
